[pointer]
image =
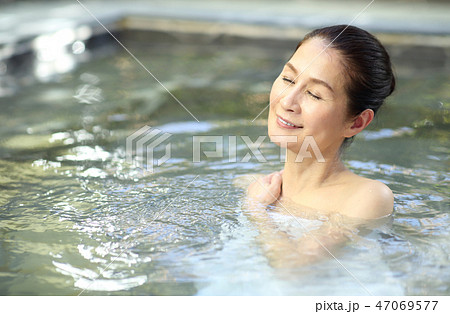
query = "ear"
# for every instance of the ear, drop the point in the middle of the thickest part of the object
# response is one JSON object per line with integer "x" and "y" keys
{"x": 359, "y": 123}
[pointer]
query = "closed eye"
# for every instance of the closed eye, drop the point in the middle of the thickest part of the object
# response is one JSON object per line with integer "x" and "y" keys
{"x": 288, "y": 80}
{"x": 313, "y": 96}
{"x": 308, "y": 92}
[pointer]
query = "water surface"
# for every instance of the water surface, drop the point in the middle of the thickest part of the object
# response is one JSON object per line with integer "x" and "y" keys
{"x": 76, "y": 217}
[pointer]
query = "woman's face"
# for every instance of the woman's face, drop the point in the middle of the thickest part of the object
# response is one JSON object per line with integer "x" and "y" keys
{"x": 308, "y": 98}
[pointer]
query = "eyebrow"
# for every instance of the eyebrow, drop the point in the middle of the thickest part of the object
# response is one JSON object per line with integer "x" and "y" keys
{"x": 313, "y": 79}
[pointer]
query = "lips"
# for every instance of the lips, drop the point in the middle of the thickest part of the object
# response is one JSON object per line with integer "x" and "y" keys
{"x": 286, "y": 123}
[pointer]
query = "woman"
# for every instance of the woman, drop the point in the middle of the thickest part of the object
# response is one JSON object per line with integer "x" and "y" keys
{"x": 328, "y": 92}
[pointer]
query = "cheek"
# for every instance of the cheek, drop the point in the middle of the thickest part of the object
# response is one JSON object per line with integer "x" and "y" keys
{"x": 316, "y": 113}
{"x": 321, "y": 120}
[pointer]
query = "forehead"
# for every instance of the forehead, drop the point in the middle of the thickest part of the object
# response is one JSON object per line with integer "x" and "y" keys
{"x": 313, "y": 59}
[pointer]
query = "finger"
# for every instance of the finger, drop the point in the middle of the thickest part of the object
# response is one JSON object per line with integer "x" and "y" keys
{"x": 276, "y": 182}
{"x": 272, "y": 175}
{"x": 267, "y": 179}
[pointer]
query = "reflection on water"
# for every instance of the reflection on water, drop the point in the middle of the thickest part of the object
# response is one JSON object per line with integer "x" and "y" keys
{"x": 75, "y": 216}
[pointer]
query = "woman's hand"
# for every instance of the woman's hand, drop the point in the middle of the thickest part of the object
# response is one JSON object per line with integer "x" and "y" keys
{"x": 267, "y": 189}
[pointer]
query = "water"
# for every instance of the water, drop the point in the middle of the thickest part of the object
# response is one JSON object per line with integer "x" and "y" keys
{"x": 76, "y": 217}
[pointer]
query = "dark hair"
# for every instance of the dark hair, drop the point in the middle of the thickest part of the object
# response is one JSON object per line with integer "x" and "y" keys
{"x": 367, "y": 63}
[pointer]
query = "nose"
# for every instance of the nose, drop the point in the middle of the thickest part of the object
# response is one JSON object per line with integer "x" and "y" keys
{"x": 290, "y": 101}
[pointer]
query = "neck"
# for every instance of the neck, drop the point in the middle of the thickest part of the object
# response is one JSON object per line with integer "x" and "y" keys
{"x": 310, "y": 174}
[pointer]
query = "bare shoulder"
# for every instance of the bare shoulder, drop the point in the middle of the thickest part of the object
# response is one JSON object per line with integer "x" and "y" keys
{"x": 369, "y": 199}
{"x": 244, "y": 181}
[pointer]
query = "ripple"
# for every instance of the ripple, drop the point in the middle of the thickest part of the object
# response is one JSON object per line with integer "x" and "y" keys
{"x": 110, "y": 284}
{"x": 84, "y": 153}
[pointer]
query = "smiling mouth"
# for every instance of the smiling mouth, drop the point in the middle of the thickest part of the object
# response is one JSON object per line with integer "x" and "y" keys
{"x": 284, "y": 122}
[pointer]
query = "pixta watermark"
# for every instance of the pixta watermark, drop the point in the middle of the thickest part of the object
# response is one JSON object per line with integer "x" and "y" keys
{"x": 140, "y": 147}
{"x": 142, "y": 144}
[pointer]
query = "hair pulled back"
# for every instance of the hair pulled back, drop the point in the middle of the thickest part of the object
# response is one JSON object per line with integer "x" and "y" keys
{"x": 367, "y": 64}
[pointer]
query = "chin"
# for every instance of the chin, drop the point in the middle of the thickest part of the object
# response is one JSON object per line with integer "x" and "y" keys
{"x": 274, "y": 140}
{"x": 271, "y": 132}
{"x": 293, "y": 146}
